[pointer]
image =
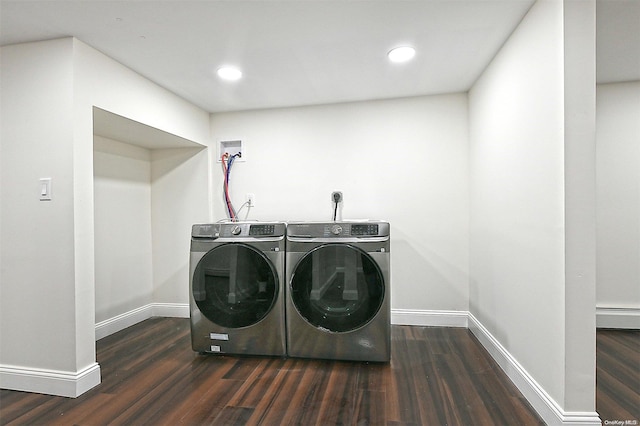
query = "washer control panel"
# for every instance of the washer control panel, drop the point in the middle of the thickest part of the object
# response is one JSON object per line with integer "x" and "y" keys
{"x": 262, "y": 229}
{"x": 238, "y": 230}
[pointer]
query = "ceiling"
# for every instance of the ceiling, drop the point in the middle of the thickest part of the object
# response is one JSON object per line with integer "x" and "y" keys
{"x": 304, "y": 52}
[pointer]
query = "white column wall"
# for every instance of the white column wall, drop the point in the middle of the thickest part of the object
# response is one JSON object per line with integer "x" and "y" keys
{"x": 532, "y": 202}
{"x": 37, "y": 314}
{"x": 517, "y": 197}
{"x": 579, "y": 38}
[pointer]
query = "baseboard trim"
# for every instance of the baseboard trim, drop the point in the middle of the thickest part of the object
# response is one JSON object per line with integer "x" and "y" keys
{"x": 542, "y": 403}
{"x": 429, "y": 318}
{"x": 51, "y": 382}
{"x": 74, "y": 384}
{"x": 170, "y": 310}
{"x": 612, "y": 317}
{"x": 120, "y": 322}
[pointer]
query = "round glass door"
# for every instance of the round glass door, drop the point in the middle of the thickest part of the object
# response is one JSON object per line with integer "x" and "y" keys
{"x": 234, "y": 285}
{"x": 337, "y": 287}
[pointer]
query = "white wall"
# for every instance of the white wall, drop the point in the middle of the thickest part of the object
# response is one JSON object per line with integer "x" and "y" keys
{"x": 144, "y": 209}
{"x": 123, "y": 253}
{"x": 48, "y": 93}
{"x": 530, "y": 174}
{"x": 37, "y": 313}
{"x": 401, "y": 160}
{"x": 179, "y": 177}
{"x": 579, "y": 39}
{"x": 106, "y": 84}
{"x": 618, "y": 171}
{"x": 517, "y": 196}
{"x": 180, "y": 197}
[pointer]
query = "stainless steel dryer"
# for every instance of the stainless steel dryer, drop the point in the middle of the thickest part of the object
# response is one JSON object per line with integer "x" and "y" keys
{"x": 337, "y": 302}
{"x": 237, "y": 288}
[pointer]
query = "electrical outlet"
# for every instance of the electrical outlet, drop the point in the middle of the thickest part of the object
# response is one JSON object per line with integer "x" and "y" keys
{"x": 251, "y": 199}
{"x": 336, "y": 197}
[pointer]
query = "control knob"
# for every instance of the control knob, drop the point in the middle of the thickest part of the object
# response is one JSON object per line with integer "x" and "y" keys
{"x": 236, "y": 230}
{"x": 336, "y": 229}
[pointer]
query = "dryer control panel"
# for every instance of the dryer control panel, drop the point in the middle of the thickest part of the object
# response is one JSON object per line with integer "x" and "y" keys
{"x": 356, "y": 230}
{"x": 364, "y": 229}
{"x": 342, "y": 229}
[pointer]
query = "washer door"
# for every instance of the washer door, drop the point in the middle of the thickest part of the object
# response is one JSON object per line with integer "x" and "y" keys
{"x": 337, "y": 287}
{"x": 234, "y": 285}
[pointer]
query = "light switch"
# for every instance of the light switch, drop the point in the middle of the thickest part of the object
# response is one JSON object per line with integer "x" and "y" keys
{"x": 45, "y": 189}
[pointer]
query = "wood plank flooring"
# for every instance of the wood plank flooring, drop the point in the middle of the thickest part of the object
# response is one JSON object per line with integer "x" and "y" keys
{"x": 618, "y": 376}
{"x": 437, "y": 376}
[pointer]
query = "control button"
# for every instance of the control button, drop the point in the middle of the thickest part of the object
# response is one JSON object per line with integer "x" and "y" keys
{"x": 364, "y": 229}
{"x": 262, "y": 229}
{"x": 336, "y": 229}
{"x": 236, "y": 230}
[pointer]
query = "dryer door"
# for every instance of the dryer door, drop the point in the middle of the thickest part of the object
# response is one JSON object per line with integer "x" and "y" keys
{"x": 234, "y": 285}
{"x": 337, "y": 287}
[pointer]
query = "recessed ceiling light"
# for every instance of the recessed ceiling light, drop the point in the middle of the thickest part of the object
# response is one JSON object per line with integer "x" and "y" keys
{"x": 229, "y": 73}
{"x": 401, "y": 54}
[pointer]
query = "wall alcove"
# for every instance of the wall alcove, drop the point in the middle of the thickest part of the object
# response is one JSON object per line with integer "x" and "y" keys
{"x": 144, "y": 179}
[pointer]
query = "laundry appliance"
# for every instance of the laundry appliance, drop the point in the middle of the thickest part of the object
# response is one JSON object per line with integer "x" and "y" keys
{"x": 237, "y": 288}
{"x": 337, "y": 302}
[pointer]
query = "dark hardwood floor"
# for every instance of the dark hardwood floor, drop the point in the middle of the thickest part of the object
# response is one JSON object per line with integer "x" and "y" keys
{"x": 618, "y": 376}
{"x": 437, "y": 376}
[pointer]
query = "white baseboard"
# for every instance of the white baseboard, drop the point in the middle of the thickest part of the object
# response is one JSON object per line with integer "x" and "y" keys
{"x": 429, "y": 318}
{"x": 542, "y": 403}
{"x": 120, "y": 322}
{"x": 50, "y": 382}
{"x": 170, "y": 310}
{"x": 74, "y": 384}
{"x": 611, "y": 317}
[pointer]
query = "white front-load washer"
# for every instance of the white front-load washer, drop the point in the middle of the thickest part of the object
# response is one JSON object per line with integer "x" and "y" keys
{"x": 338, "y": 293}
{"x": 236, "y": 288}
